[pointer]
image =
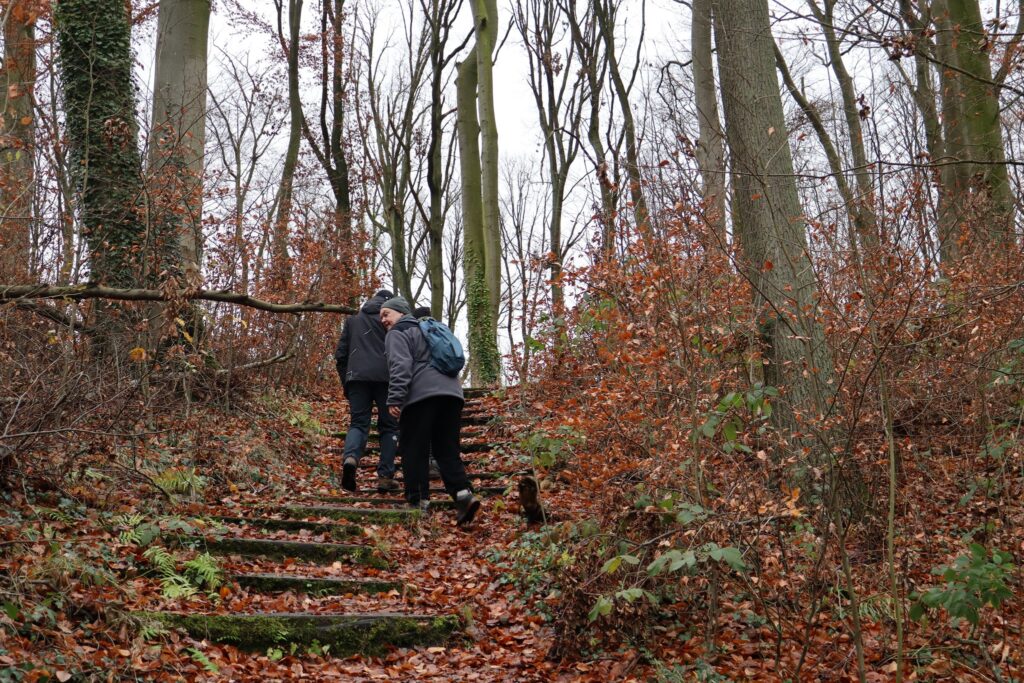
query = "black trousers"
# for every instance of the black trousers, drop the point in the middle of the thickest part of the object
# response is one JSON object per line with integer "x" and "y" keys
{"x": 432, "y": 424}
{"x": 361, "y": 398}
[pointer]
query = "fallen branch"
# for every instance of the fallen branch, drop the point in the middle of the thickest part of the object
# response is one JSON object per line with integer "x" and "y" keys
{"x": 280, "y": 358}
{"x": 51, "y": 313}
{"x": 78, "y": 292}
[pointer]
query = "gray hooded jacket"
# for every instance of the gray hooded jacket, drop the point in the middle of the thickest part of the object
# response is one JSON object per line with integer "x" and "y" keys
{"x": 360, "y": 351}
{"x": 412, "y": 379}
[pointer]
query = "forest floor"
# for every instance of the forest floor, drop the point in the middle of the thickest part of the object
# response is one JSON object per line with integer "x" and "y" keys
{"x": 78, "y": 565}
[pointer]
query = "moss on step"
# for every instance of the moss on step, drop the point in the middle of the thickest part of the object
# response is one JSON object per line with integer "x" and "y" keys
{"x": 320, "y": 553}
{"x": 271, "y": 583}
{"x": 366, "y": 515}
{"x": 334, "y": 530}
{"x": 367, "y": 634}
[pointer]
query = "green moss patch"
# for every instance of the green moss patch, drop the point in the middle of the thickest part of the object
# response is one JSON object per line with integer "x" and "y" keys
{"x": 366, "y": 634}
{"x": 273, "y": 583}
{"x": 319, "y": 553}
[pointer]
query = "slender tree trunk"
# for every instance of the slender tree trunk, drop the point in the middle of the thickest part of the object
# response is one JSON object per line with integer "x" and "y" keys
{"x": 710, "y": 151}
{"x": 483, "y": 357}
{"x": 485, "y": 15}
{"x": 17, "y": 141}
{"x": 863, "y": 210}
{"x": 178, "y": 134}
{"x": 282, "y": 267}
{"x": 605, "y": 15}
{"x": 835, "y": 163}
{"x": 769, "y": 222}
{"x": 586, "y": 43}
{"x": 435, "y": 180}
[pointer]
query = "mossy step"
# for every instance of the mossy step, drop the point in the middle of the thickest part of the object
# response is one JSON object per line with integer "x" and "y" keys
{"x": 380, "y": 500}
{"x": 334, "y": 530}
{"x": 367, "y": 515}
{"x": 320, "y": 553}
{"x": 466, "y": 447}
{"x": 391, "y": 499}
{"x": 273, "y": 583}
{"x": 371, "y": 463}
{"x": 477, "y": 392}
{"x": 366, "y": 634}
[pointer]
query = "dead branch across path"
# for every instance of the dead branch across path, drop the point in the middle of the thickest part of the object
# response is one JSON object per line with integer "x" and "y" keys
{"x": 78, "y": 292}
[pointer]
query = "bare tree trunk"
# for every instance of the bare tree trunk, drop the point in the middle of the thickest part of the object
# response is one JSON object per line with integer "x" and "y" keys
{"x": 485, "y": 16}
{"x": 710, "y": 151}
{"x": 559, "y": 113}
{"x": 980, "y": 106}
{"x": 863, "y": 210}
{"x": 586, "y": 39}
{"x": 605, "y": 12}
{"x": 17, "y": 141}
{"x": 178, "y": 134}
{"x": 835, "y": 163}
{"x": 769, "y": 221}
{"x": 282, "y": 268}
{"x": 440, "y": 15}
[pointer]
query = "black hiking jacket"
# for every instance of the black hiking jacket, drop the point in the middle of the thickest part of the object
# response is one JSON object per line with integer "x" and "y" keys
{"x": 359, "y": 355}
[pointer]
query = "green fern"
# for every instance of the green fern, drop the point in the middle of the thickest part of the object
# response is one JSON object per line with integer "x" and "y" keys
{"x": 152, "y": 629}
{"x": 161, "y": 560}
{"x": 177, "y": 587}
{"x": 204, "y": 570}
{"x": 200, "y": 658}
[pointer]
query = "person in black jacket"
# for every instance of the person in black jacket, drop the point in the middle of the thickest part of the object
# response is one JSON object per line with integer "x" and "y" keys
{"x": 428, "y": 405}
{"x": 363, "y": 370}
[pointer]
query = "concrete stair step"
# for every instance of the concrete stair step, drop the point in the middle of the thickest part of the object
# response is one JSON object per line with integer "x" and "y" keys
{"x": 348, "y": 634}
{"x": 279, "y": 583}
{"x": 319, "y": 553}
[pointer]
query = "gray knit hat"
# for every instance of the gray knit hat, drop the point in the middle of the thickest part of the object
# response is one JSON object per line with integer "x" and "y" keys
{"x": 398, "y": 303}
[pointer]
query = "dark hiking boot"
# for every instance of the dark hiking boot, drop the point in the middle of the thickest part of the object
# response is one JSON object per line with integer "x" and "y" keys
{"x": 387, "y": 485}
{"x": 348, "y": 474}
{"x": 422, "y": 505}
{"x": 466, "y": 507}
{"x": 435, "y": 471}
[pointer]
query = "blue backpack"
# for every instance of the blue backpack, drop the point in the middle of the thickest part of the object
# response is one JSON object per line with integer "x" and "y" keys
{"x": 445, "y": 350}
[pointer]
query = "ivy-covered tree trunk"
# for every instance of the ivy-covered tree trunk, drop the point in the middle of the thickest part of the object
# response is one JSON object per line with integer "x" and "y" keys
{"x": 484, "y": 361}
{"x": 769, "y": 219}
{"x": 17, "y": 141}
{"x": 95, "y": 61}
{"x": 485, "y": 15}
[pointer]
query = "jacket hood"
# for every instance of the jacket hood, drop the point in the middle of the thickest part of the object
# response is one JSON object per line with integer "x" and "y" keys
{"x": 373, "y": 305}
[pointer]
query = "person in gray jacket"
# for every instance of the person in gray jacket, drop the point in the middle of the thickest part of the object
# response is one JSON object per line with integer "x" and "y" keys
{"x": 428, "y": 405}
{"x": 363, "y": 370}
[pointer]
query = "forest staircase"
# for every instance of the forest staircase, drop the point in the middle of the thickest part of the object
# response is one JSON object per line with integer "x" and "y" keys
{"x": 362, "y": 611}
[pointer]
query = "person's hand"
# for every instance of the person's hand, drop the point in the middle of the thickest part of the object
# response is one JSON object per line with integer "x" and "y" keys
{"x": 395, "y": 411}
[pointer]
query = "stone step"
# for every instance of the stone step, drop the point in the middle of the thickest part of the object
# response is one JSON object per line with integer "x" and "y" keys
{"x": 477, "y": 392}
{"x": 313, "y": 585}
{"x": 395, "y": 498}
{"x": 365, "y": 515}
{"x": 319, "y": 553}
{"x": 334, "y": 530}
{"x": 466, "y": 448}
{"x": 435, "y": 502}
{"x": 367, "y": 634}
{"x": 370, "y": 463}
